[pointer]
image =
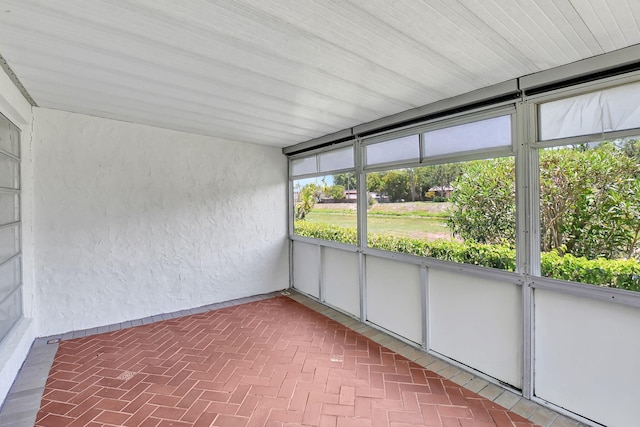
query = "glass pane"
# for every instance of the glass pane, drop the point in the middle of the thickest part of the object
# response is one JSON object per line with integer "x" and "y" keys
{"x": 8, "y": 172}
{"x": 9, "y": 137}
{"x": 9, "y": 277}
{"x": 15, "y": 141}
{"x": 10, "y": 312}
{"x": 325, "y": 207}
{"x": 606, "y": 110}
{"x": 461, "y": 212}
{"x": 336, "y": 159}
{"x": 9, "y": 208}
{"x": 590, "y": 213}
{"x": 406, "y": 148}
{"x": 489, "y": 133}
{"x": 9, "y": 242}
{"x": 304, "y": 166}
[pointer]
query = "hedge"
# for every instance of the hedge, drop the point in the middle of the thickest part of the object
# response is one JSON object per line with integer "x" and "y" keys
{"x": 621, "y": 274}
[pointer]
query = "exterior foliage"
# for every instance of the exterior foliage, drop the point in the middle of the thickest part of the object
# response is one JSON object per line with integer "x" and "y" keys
{"x": 413, "y": 184}
{"x": 484, "y": 209}
{"x": 306, "y": 200}
{"x": 589, "y": 201}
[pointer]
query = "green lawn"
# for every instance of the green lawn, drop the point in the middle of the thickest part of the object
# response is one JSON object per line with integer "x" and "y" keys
{"x": 402, "y": 225}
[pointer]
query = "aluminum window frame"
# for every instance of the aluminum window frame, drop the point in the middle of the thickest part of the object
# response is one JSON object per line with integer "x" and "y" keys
{"x": 508, "y": 109}
{"x": 534, "y": 145}
{"x": 535, "y": 100}
{"x": 290, "y": 193}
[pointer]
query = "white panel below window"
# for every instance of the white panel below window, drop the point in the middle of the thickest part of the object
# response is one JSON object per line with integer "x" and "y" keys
{"x": 586, "y": 357}
{"x": 340, "y": 280}
{"x": 306, "y": 268}
{"x": 477, "y": 322}
{"x": 394, "y": 297}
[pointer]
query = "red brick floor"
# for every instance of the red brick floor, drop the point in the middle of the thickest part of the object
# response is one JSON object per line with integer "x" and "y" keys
{"x": 267, "y": 363}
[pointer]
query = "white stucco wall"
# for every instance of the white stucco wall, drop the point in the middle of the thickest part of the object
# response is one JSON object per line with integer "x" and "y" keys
{"x": 133, "y": 220}
{"x": 15, "y": 346}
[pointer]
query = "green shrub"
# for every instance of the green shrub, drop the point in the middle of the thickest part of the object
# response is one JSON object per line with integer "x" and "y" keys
{"x": 326, "y": 232}
{"x": 613, "y": 273}
{"x": 621, "y": 274}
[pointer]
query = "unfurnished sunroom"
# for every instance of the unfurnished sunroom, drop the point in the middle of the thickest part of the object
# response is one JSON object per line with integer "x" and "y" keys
{"x": 461, "y": 176}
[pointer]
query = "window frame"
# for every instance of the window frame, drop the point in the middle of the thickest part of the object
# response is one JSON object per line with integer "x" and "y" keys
{"x": 361, "y": 169}
{"x": 292, "y": 178}
{"x": 534, "y": 145}
{"x": 16, "y": 292}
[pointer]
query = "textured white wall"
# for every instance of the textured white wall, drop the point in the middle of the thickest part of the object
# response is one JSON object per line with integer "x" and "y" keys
{"x": 132, "y": 220}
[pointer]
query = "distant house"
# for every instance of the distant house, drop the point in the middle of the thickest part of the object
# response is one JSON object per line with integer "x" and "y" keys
{"x": 351, "y": 194}
{"x": 442, "y": 191}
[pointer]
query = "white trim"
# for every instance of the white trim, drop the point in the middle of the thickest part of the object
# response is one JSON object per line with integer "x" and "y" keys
{"x": 460, "y": 101}
{"x": 580, "y": 68}
{"x": 600, "y": 293}
{"x": 426, "y": 328}
{"x": 328, "y": 243}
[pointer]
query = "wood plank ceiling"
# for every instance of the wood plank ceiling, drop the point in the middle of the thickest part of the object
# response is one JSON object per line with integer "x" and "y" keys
{"x": 278, "y": 72}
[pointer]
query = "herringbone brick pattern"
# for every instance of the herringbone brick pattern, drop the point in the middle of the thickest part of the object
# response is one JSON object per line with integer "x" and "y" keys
{"x": 268, "y": 363}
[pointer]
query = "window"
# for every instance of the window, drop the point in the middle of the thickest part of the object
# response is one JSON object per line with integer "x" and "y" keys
{"x": 478, "y": 135}
{"x": 590, "y": 213}
{"x": 325, "y": 204}
{"x": 444, "y": 190}
{"x": 10, "y": 229}
{"x": 406, "y": 148}
{"x": 590, "y": 187}
{"x": 461, "y": 212}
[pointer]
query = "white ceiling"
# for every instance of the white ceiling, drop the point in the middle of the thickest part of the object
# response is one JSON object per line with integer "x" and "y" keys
{"x": 279, "y": 72}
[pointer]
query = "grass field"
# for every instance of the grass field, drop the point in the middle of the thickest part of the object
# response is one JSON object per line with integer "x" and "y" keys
{"x": 411, "y": 219}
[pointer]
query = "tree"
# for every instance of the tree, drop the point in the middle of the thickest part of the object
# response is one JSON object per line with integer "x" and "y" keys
{"x": 395, "y": 184}
{"x": 307, "y": 198}
{"x": 347, "y": 180}
{"x": 589, "y": 201}
{"x": 444, "y": 175}
{"x": 484, "y": 201}
{"x": 374, "y": 182}
{"x": 334, "y": 192}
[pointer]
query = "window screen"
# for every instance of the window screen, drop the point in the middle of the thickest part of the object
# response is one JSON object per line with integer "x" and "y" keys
{"x": 336, "y": 159}
{"x": 405, "y": 148}
{"x": 597, "y": 112}
{"x": 304, "y": 166}
{"x": 483, "y": 134}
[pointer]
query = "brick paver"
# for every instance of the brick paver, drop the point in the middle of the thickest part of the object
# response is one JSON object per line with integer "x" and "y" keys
{"x": 268, "y": 363}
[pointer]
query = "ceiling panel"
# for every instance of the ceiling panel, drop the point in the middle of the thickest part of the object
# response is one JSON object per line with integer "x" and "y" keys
{"x": 281, "y": 72}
